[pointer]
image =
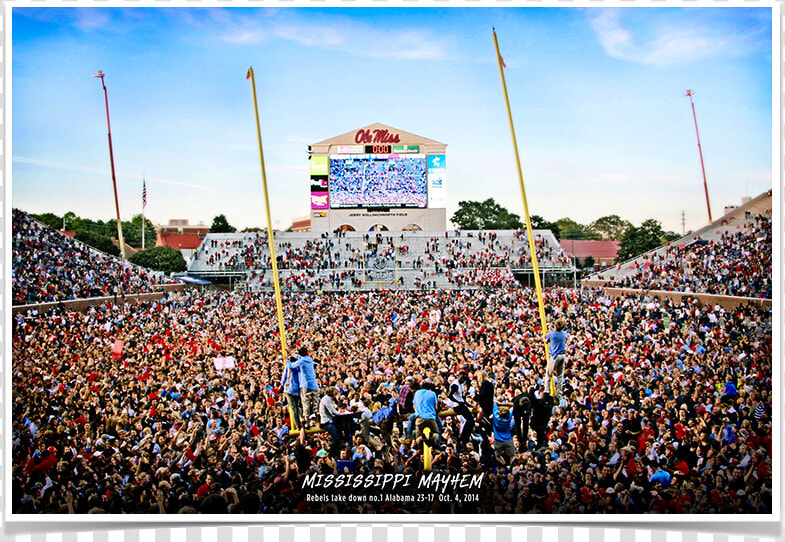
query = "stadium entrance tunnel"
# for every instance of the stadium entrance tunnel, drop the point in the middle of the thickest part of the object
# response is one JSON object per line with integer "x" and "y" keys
{"x": 412, "y": 227}
{"x": 378, "y": 227}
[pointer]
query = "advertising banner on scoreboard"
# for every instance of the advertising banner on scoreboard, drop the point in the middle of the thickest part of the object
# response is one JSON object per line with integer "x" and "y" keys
{"x": 404, "y": 149}
{"x": 350, "y": 149}
{"x": 437, "y": 163}
{"x": 319, "y": 183}
{"x": 319, "y": 165}
{"x": 437, "y": 195}
{"x": 320, "y": 200}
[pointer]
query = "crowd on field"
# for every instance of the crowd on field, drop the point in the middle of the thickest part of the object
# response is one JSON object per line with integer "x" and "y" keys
{"x": 663, "y": 408}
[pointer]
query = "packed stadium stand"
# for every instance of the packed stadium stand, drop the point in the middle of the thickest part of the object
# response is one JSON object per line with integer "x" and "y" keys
{"x": 310, "y": 261}
{"x": 732, "y": 256}
{"x": 48, "y": 266}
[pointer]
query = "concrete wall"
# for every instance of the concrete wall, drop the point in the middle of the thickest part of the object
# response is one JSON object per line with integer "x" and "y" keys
{"x": 724, "y": 301}
{"x": 394, "y": 220}
{"x": 81, "y": 305}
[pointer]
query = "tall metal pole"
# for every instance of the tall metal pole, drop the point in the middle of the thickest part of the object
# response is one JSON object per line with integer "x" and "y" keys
{"x": 100, "y": 74}
{"x": 144, "y": 204}
{"x": 270, "y": 236}
{"x": 532, "y": 248}
{"x": 689, "y": 94}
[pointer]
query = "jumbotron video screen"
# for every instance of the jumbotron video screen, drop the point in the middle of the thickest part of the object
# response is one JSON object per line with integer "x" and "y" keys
{"x": 378, "y": 180}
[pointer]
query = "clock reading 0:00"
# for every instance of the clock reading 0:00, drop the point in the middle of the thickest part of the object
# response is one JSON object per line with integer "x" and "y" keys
{"x": 378, "y": 149}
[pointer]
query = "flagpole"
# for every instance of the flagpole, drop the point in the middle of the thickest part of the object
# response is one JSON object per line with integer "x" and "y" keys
{"x": 270, "y": 240}
{"x": 535, "y": 268}
{"x": 144, "y": 203}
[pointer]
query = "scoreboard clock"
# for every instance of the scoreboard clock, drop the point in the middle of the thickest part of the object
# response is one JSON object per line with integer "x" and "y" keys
{"x": 378, "y": 149}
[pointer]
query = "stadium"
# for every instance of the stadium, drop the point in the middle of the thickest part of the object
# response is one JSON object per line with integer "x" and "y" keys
{"x": 138, "y": 393}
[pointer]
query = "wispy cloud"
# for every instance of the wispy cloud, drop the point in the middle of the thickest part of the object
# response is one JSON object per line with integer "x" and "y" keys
{"x": 87, "y": 19}
{"x": 332, "y": 33}
{"x": 72, "y": 167}
{"x": 655, "y": 44}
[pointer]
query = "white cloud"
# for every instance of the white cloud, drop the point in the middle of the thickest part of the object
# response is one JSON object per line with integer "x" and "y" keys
{"x": 335, "y": 33}
{"x": 90, "y": 19}
{"x": 666, "y": 47}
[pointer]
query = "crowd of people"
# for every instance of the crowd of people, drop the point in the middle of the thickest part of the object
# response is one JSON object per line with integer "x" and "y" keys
{"x": 737, "y": 264}
{"x": 393, "y": 180}
{"x": 188, "y": 405}
{"x": 48, "y": 266}
{"x": 662, "y": 408}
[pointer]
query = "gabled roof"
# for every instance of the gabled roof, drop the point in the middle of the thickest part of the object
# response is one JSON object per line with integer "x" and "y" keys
{"x": 406, "y": 138}
{"x": 179, "y": 240}
{"x": 595, "y": 249}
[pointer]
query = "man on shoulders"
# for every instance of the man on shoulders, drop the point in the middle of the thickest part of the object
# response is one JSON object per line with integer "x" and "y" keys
{"x": 557, "y": 349}
{"x": 309, "y": 385}
{"x": 290, "y": 382}
{"x": 425, "y": 409}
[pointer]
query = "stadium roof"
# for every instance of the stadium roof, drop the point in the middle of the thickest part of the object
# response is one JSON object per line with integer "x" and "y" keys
{"x": 179, "y": 241}
{"x": 349, "y": 138}
{"x": 596, "y": 249}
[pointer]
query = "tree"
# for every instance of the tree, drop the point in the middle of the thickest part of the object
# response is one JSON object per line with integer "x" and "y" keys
{"x": 539, "y": 223}
{"x": 98, "y": 241}
{"x": 50, "y": 219}
{"x": 485, "y": 215}
{"x": 221, "y": 225}
{"x": 609, "y": 228}
{"x": 132, "y": 231}
{"x": 669, "y": 236}
{"x": 569, "y": 229}
{"x": 636, "y": 241}
{"x": 588, "y": 262}
{"x": 161, "y": 258}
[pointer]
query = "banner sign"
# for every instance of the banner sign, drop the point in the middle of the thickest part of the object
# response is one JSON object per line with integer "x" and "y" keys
{"x": 319, "y": 183}
{"x": 117, "y": 349}
{"x": 380, "y": 269}
{"x": 319, "y": 165}
{"x": 437, "y": 194}
{"x": 437, "y": 163}
{"x": 320, "y": 200}
{"x": 350, "y": 149}
{"x": 224, "y": 363}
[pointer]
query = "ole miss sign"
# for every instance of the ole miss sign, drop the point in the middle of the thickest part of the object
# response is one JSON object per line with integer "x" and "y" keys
{"x": 376, "y": 136}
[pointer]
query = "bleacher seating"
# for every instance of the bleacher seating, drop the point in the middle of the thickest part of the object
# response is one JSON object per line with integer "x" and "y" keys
{"x": 308, "y": 261}
{"x": 48, "y": 266}
{"x": 731, "y": 256}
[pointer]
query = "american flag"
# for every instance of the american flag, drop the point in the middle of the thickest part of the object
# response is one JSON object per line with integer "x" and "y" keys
{"x": 144, "y": 194}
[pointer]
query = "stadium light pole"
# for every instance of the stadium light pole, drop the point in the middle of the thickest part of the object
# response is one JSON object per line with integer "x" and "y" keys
{"x": 100, "y": 75}
{"x": 689, "y": 94}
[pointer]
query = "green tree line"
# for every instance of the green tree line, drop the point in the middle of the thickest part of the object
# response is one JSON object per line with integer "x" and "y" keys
{"x": 633, "y": 240}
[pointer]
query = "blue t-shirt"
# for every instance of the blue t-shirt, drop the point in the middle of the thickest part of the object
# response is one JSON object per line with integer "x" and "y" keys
{"x": 502, "y": 426}
{"x": 292, "y": 387}
{"x": 557, "y": 343}
{"x": 308, "y": 379}
{"x": 425, "y": 404}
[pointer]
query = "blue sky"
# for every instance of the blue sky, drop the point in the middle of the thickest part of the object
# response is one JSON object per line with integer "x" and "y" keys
{"x": 596, "y": 93}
